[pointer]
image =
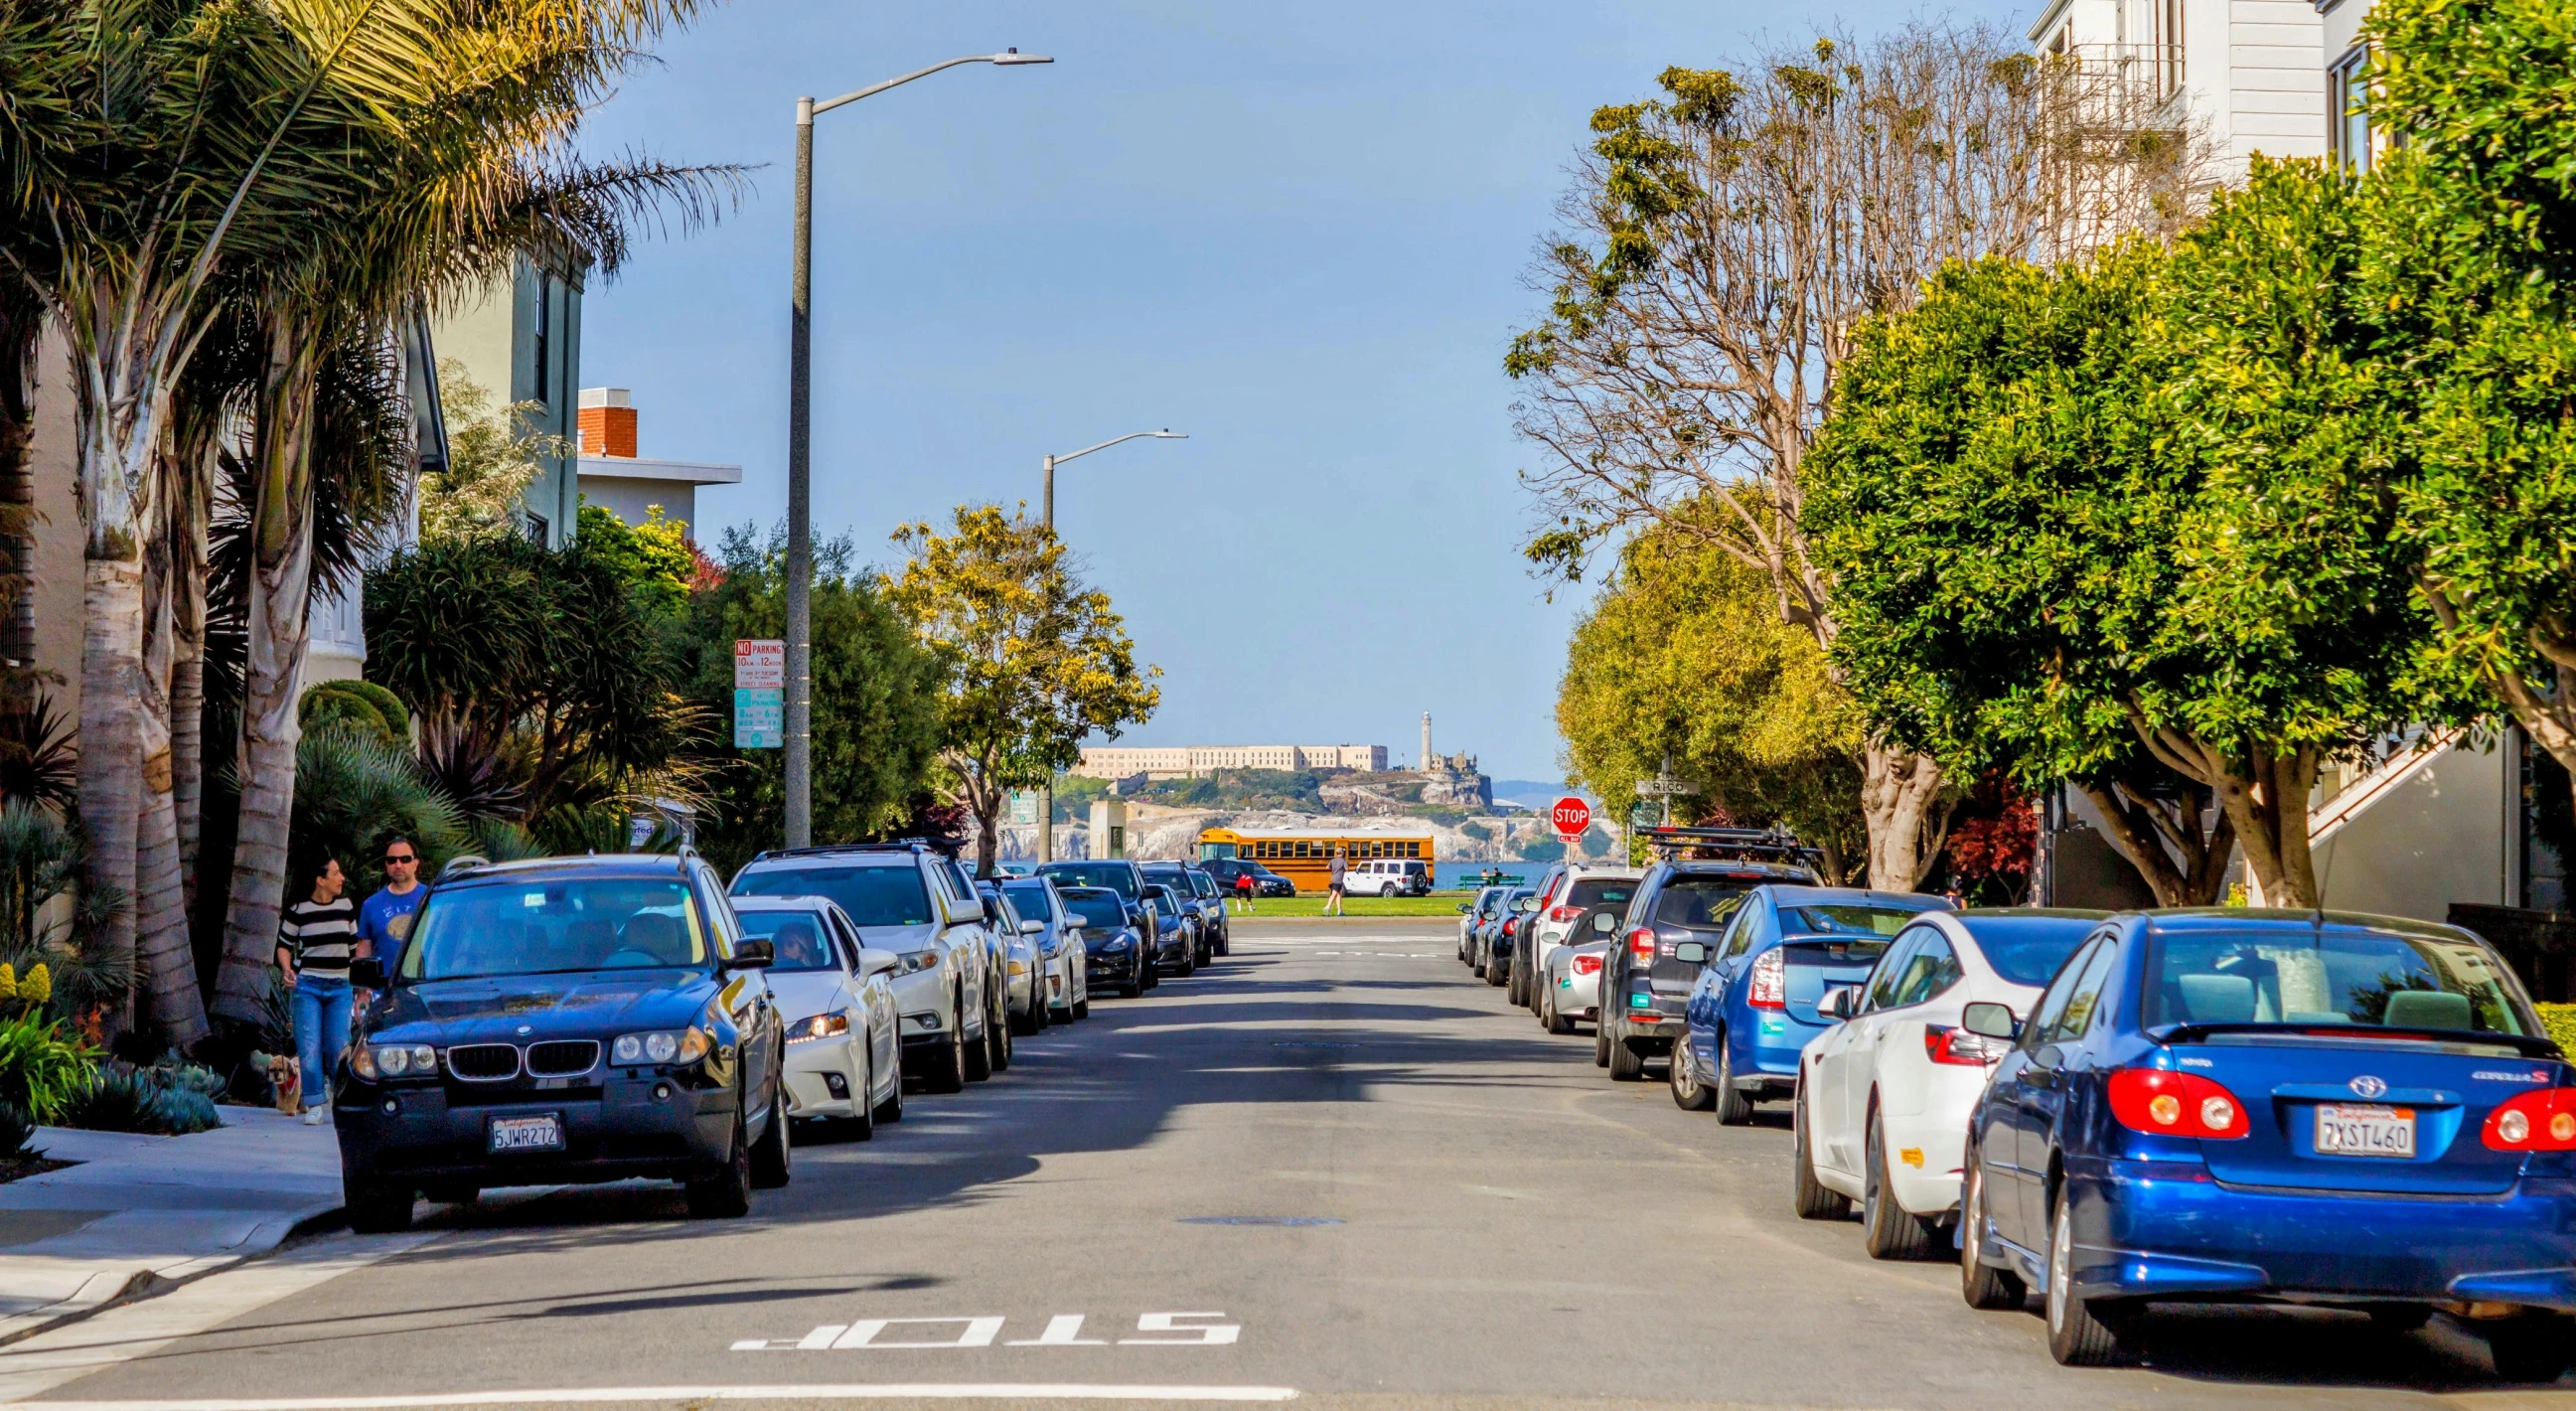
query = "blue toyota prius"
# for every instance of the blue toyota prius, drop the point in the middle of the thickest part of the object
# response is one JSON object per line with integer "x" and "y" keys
{"x": 2266, "y": 1106}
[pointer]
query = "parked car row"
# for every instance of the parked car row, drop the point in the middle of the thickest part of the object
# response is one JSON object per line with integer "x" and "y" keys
{"x": 2204, "y": 1106}
{"x": 575, "y": 1020}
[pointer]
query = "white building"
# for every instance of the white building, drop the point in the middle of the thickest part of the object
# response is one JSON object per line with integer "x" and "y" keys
{"x": 2242, "y": 73}
{"x": 631, "y": 486}
{"x": 1181, "y": 761}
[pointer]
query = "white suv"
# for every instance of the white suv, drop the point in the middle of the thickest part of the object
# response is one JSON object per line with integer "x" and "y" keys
{"x": 1388, "y": 878}
{"x": 1579, "y": 891}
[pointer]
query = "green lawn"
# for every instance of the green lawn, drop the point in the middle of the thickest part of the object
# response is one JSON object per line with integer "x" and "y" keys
{"x": 1312, "y": 904}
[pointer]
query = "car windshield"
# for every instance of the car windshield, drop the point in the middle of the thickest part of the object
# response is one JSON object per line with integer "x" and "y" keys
{"x": 1099, "y": 908}
{"x": 1879, "y": 921}
{"x": 1162, "y": 899}
{"x": 2028, "y": 950}
{"x": 797, "y": 936}
{"x": 882, "y": 894}
{"x": 548, "y": 926}
{"x": 2323, "y": 975}
{"x": 1119, "y": 877}
{"x": 1203, "y": 884}
{"x": 1029, "y": 899}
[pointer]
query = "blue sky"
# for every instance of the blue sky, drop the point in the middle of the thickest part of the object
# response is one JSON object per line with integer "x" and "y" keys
{"x": 1297, "y": 233}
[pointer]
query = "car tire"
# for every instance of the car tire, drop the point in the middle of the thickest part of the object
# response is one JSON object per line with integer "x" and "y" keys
{"x": 376, "y": 1207}
{"x": 861, "y": 1124}
{"x": 1733, "y": 1108}
{"x": 2078, "y": 1335}
{"x": 1689, "y": 1093}
{"x": 2531, "y": 1348}
{"x": 1887, "y": 1229}
{"x": 890, "y": 1111}
{"x": 997, "y": 1033}
{"x": 1601, "y": 1042}
{"x": 1980, "y": 1283}
{"x": 1626, "y": 1064}
{"x": 1476, "y": 962}
{"x": 1082, "y": 1007}
{"x": 947, "y": 1073}
{"x": 1495, "y": 975}
{"x": 979, "y": 1050}
{"x": 725, "y": 1194}
{"x": 1387, "y": 892}
{"x": 772, "y": 1157}
{"x": 1813, "y": 1199}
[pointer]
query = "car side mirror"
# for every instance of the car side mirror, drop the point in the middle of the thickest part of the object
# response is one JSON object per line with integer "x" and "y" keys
{"x": 1691, "y": 953}
{"x": 1464, "y": 908}
{"x": 1989, "y": 1020}
{"x": 1604, "y": 923}
{"x": 1031, "y": 928}
{"x": 1837, "y": 1003}
{"x": 873, "y": 963}
{"x": 367, "y": 973}
{"x": 753, "y": 955}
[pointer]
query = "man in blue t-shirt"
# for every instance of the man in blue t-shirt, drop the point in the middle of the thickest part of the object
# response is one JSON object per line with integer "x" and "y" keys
{"x": 386, "y": 918}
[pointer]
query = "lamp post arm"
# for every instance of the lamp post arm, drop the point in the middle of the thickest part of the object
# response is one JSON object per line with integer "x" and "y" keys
{"x": 1115, "y": 440}
{"x": 874, "y": 89}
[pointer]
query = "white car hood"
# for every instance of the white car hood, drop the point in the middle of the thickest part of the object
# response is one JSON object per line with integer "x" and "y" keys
{"x": 802, "y": 994}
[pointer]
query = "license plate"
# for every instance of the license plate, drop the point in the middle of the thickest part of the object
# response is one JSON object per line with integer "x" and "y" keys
{"x": 2344, "y": 1130}
{"x": 527, "y": 1133}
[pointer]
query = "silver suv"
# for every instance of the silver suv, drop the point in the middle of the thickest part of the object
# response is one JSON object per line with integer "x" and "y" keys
{"x": 909, "y": 899}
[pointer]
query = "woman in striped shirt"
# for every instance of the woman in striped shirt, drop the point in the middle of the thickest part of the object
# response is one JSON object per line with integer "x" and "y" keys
{"x": 316, "y": 940}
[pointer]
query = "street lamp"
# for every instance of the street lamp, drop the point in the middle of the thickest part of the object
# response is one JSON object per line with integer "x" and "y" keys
{"x": 1046, "y": 791}
{"x": 799, "y": 701}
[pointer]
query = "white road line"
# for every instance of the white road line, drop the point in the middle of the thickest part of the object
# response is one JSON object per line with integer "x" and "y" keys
{"x": 47, "y": 1360}
{"x": 891, "y": 1391}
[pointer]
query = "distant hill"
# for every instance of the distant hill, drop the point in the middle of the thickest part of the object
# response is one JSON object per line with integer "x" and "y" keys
{"x": 1529, "y": 793}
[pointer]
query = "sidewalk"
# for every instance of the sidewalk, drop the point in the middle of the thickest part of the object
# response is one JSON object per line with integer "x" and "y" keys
{"x": 139, "y": 1207}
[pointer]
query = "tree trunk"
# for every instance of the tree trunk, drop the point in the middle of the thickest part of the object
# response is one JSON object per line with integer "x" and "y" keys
{"x": 281, "y": 581}
{"x": 1902, "y": 804}
{"x": 111, "y": 754}
{"x": 2164, "y": 841}
{"x": 2264, "y": 794}
{"x": 168, "y": 964}
{"x": 191, "y": 491}
{"x": 21, "y": 335}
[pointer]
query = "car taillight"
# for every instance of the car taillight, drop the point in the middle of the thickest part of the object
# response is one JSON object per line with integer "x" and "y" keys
{"x": 1509, "y": 926}
{"x": 1944, "y": 1044}
{"x": 2168, "y": 1104}
{"x": 1641, "y": 942}
{"x": 1587, "y": 965}
{"x": 1770, "y": 982}
{"x": 2543, "y": 1119}
{"x": 1565, "y": 913}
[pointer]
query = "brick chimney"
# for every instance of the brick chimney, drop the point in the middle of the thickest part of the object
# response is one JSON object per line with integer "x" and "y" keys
{"x": 608, "y": 422}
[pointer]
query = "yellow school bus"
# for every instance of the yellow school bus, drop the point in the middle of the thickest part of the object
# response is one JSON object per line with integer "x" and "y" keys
{"x": 1305, "y": 855}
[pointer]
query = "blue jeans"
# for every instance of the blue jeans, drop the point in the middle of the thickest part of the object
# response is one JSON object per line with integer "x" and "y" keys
{"x": 321, "y": 1032}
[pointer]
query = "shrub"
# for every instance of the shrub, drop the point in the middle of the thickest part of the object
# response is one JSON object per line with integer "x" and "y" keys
{"x": 41, "y": 1066}
{"x": 2560, "y": 1020}
{"x": 16, "y": 1127}
{"x": 130, "y": 1101}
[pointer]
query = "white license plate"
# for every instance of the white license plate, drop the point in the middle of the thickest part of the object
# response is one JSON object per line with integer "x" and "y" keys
{"x": 527, "y": 1133}
{"x": 2344, "y": 1130}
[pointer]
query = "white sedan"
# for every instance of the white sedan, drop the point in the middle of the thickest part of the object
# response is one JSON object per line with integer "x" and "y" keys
{"x": 837, "y": 999}
{"x": 1570, "y": 991}
{"x": 1883, "y": 1096}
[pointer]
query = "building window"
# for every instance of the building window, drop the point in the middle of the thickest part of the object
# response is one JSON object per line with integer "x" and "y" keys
{"x": 544, "y": 338}
{"x": 2347, "y": 88}
{"x": 538, "y": 529}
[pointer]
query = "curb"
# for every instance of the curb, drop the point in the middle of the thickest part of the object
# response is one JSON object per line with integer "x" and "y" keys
{"x": 120, "y": 1284}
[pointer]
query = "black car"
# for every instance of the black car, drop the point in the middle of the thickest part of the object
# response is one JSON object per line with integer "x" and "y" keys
{"x": 1176, "y": 936}
{"x": 1118, "y": 875}
{"x": 1265, "y": 882}
{"x": 1117, "y": 956}
{"x": 563, "y": 1021}
{"x": 1645, "y": 986}
{"x": 1196, "y": 892}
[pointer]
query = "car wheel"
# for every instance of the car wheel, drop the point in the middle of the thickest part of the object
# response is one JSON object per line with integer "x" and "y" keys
{"x": 1494, "y": 972}
{"x": 772, "y": 1160}
{"x": 1626, "y": 1064}
{"x": 1477, "y": 962}
{"x": 1601, "y": 1042}
{"x": 1387, "y": 892}
{"x": 947, "y": 1073}
{"x": 862, "y": 1123}
{"x": 1980, "y": 1283}
{"x": 1734, "y": 1109}
{"x": 997, "y": 1033}
{"x": 979, "y": 1050}
{"x": 1516, "y": 983}
{"x": 1689, "y": 1093}
{"x": 2077, "y": 1335}
{"x": 1082, "y": 1008}
{"x": 890, "y": 1111}
{"x": 726, "y": 1193}
{"x": 2530, "y": 1348}
{"x": 1813, "y": 1200}
{"x": 376, "y": 1208}
{"x": 1887, "y": 1230}
{"x": 1189, "y": 959}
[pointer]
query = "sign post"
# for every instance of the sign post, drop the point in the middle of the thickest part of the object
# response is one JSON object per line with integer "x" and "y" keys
{"x": 759, "y": 689}
{"x": 1571, "y": 816}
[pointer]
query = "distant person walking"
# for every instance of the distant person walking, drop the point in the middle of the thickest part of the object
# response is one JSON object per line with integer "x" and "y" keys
{"x": 385, "y": 921}
{"x": 1333, "y": 883}
{"x": 316, "y": 940}
{"x": 1244, "y": 891}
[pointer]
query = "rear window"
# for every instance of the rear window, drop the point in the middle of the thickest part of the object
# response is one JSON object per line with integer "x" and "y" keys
{"x": 1119, "y": 877}
{"x": 2028, "y": 951}
{"x": 1029, "y": 899}
{"x": 873, "y": 896}
{"x": 2300, "y": 977}
{"x": 1879, "y": 921}
{"x": 1600, "y": 892}
{"x": 1703, "y": 902}
{"x": 1100, "y": 910}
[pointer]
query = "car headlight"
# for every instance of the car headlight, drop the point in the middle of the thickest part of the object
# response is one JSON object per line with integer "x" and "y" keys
{"x": 1114, "y": 943}
{"x": 372, "y": 1061}
{"x": 659, "y": 1046}
{"x": 914, "y": 962}
{"x": 821, "y": 1026}
{"x": 1017, "y": 968}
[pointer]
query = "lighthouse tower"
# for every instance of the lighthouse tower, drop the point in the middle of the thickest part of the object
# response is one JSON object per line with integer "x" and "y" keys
{"x": 1425, "y": 762}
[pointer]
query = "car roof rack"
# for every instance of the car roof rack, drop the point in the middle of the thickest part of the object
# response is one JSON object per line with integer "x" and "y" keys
{"x": 914, "y": 845}
{"x": 1774, "y": 844}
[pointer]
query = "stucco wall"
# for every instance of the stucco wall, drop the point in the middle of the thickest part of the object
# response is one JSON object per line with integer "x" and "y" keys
{"x": 2438, "y": 836}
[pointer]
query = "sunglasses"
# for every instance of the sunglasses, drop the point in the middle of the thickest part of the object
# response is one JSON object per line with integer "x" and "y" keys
{"x": 392, "y": 858}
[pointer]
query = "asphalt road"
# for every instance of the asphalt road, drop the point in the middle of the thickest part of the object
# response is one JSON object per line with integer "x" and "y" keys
{"x": 1335, "y": 1165}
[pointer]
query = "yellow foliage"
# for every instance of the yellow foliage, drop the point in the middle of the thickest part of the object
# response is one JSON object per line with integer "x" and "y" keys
{"x": 8, "y": 980}
{"x": 37, "y": 985}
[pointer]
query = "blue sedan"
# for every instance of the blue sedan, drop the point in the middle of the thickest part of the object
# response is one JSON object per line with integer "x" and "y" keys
{"x": 1752, "y": 1008}
{"x": 2265, "y": 1106}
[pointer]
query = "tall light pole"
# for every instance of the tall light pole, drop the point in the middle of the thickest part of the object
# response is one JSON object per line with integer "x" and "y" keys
{"x": 799, "y": 697}
{"x": 1046, "y": 791}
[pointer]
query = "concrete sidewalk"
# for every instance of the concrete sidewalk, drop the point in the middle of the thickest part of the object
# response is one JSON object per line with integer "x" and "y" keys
{"x": 140, "y": 1208}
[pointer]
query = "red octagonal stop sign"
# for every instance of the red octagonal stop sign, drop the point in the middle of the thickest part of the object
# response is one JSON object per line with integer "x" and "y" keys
{"x": 1572, "y": 816}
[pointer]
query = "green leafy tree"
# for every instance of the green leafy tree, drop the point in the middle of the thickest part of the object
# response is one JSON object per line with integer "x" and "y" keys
{"x": 1684, "y": 656}
{"x": 493, "y": 455}
{"x": 655, "y": 558}
{"x": 1035, "y": 660}
{"x": 876, "y": 698}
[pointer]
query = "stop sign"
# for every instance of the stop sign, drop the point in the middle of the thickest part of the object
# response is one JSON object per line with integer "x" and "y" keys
{"x": 1572, "y": 816}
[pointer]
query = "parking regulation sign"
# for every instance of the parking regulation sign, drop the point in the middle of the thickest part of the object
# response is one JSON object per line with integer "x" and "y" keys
{"x": 759, "y": 663}
{"x": 1571, "y": 816}
{"x": 759, "y": 693}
